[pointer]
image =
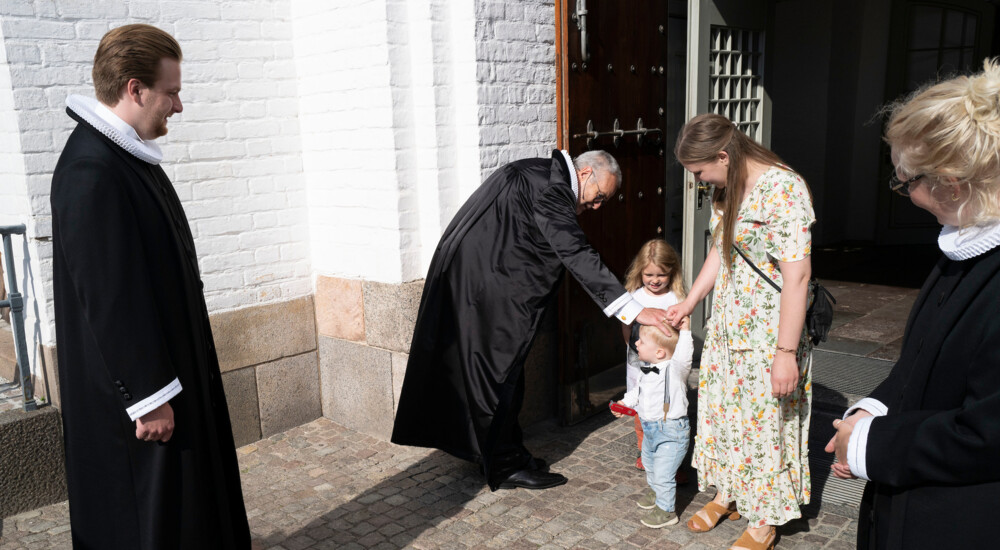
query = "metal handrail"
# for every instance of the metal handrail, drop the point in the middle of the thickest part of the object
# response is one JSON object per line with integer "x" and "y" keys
{"x": 15, "y": 301}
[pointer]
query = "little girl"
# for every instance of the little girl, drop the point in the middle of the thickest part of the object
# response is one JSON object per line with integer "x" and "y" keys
{"x": 655, "y": 280}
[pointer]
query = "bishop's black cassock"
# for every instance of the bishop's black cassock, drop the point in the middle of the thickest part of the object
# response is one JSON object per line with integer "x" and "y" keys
{"x": 131, "y": 319}
{"x": 495, "y": 270}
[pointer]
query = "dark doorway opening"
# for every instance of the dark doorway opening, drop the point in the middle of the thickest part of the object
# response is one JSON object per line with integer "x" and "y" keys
{"x": 904, "y": 265}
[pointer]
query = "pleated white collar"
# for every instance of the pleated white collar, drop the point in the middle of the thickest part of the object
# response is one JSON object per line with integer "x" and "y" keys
{"x": 969, "y": 242}
{"x": 574, "y": 183}
{"x": 116, "y": 129}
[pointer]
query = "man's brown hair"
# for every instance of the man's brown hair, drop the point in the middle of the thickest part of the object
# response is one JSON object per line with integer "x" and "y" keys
{"x": 127, "y": 52}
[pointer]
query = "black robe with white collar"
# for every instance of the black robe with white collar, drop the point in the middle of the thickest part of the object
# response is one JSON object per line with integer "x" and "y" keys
{"x": 496, "y": 268}
{"x": 130, "y": 318}
{"x": 934, "y": 459}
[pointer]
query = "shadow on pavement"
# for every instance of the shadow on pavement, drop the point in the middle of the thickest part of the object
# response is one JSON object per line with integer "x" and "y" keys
{"x": 429, "y": 497}
{"x": 437, "y": 488}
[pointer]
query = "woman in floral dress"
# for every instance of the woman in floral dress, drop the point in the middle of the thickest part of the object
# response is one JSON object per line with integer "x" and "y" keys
{"x": 754, "y": 390}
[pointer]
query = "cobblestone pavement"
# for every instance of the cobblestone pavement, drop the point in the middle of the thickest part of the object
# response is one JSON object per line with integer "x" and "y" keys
{"x": 321, "y": 485}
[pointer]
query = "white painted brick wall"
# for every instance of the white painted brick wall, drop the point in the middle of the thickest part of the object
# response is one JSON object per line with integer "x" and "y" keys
{"x": 319, "y": 136}
{"x": 515, "y": 50}
{"x": 238, "y": 135}
{"x": 32, "y": 257}
{"x": 389, "y": 122}
{"x": 346, "y": 124}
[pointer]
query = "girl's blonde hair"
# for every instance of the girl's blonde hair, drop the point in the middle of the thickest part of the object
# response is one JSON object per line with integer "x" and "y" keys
{"x": 662, "y": 255}
{"x": 701, "y": 140}
{"x": 950, "y": 133}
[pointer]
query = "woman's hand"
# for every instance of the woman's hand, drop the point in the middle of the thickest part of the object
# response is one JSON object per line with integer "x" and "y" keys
{"x": 677, "y": 312}
{"x": 784, "y": 374}
{"x": 838, "y": 443}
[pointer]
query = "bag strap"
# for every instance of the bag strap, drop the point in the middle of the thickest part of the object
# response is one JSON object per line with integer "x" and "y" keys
{"x": 755, "y": 268}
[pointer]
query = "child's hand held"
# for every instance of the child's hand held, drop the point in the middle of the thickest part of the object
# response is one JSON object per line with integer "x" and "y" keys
{"x": 619, "y": 409}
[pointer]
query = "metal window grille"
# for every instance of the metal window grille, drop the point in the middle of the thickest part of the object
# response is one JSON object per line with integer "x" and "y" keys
{"x": 737, "y": 66}
{"x": 941, "y": 42}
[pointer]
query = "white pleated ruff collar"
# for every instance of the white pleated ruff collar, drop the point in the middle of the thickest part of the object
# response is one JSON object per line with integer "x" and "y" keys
{"x": 116, "y": 129}
{"x": 573, "y": 182}
{"x": 968, "y": 242}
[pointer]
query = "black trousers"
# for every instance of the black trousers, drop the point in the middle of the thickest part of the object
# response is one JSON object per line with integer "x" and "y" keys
{"x": 509, "y": 454}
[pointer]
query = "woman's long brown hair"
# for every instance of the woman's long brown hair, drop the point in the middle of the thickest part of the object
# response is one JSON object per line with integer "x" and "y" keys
{"x": 701, "y": 140}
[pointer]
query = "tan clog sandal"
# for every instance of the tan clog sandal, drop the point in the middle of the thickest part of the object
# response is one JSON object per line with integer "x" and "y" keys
{"x": 747, "y": 542}
{"x": 714, "y": 514}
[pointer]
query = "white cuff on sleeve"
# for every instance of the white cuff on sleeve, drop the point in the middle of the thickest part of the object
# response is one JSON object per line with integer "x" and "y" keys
{"x": 616, "y": 305}
{"x": 147, "y": 405}
{"x": 625, "y": 310}
{"x": 857, "y": 446}
{"x": 631, "y": 399}
{"x": 873, "y": 406}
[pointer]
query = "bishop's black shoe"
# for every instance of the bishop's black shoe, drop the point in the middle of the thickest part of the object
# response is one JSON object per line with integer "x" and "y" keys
{"x": 533, "y": 479}
{"x": 534, "y": 463}
{"x": 537, "y": 464}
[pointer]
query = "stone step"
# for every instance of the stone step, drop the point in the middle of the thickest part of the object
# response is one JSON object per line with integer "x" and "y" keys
{"x": 839, "y": 380}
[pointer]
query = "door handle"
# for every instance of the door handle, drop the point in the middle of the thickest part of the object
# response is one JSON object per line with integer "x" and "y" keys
{"x": 703, "y": 189}
{"x": 580, "y": 16}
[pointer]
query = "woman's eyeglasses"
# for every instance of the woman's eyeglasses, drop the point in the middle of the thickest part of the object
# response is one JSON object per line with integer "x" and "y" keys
{"x": 900, "y": 186}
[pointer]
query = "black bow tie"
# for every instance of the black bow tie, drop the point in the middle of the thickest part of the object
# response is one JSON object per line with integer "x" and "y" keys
{"x": 647, "y": 370}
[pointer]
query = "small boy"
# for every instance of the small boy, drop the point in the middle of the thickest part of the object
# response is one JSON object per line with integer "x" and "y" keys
{"x": 660, "y": 399}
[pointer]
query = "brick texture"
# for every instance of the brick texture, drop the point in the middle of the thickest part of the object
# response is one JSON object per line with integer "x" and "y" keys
{"x": 226, "y": 153}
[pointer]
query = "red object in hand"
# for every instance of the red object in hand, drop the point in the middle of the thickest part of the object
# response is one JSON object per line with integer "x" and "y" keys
{"x": 622, "y": 409}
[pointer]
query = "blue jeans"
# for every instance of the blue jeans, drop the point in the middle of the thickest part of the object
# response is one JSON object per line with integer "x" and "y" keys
{"x": 664, "y": 445}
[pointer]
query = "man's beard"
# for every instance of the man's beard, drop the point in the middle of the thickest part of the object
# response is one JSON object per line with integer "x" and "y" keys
{"x": 160, "y": 130}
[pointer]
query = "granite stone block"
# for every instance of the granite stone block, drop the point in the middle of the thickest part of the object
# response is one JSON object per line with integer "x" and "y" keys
{"x": 241, "y": 397}
{"x": 259, "y": 334}
{"x": 289, "y": 393}
{"x": 398, "y": 374}
{"x": 340, "y": 311}
{"x": 356, "y": 382}
{"x": 390, "y": 314}
{"x": 31, "y": 452}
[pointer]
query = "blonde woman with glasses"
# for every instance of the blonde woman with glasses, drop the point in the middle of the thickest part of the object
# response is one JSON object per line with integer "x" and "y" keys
{"x": 928, "y": 438}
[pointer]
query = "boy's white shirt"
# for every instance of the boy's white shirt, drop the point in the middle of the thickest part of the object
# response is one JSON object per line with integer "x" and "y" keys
{"x": 647, "y": 396}
{"x": 632, "y": 361}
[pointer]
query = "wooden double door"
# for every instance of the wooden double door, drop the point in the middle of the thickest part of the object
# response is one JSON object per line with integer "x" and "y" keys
{"x": 630, "y": 74}
{"x": 621, "y": 80}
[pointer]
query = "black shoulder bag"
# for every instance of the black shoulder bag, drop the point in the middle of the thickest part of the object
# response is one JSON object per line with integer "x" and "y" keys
{"x": 819, "y": 316}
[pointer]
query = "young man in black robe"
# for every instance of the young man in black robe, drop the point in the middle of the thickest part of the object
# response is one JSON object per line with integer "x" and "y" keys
{"x": 150, "y": 457}
{"x": 495, "y": 270}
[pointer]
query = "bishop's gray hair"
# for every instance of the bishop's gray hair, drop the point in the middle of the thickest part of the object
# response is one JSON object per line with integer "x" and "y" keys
{"x": 600, "y": 162}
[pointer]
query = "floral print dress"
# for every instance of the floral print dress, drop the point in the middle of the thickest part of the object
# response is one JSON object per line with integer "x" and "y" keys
{"x": 751, "y": 446}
